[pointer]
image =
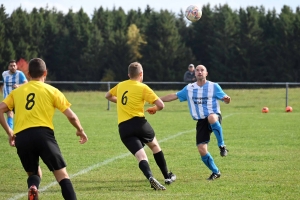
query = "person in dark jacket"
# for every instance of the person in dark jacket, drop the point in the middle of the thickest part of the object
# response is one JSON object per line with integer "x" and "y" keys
{"x": 189, "y": 76}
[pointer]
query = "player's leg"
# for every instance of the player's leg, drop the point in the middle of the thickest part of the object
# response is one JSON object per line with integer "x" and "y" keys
{"x": 135, "y": 146}
{"x": 52, "y": 157}
{"x": 127, "y": 131}
{"x": 10, "y": 119}
{"x": 65, "y": 183}
{"x": 161, "y": 161}
{"x": 202, "y": 140}
{"x": 215, "y": 124}
{"x": 30, "y": 162}
{"x": 148, "y": 137}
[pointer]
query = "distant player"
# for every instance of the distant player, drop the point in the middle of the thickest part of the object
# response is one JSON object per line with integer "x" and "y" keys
{"x": 202, "y": 97}
{"x": 12, "y": 78}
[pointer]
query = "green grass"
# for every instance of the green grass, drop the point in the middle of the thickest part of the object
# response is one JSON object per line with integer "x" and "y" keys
{"x": 263, "y": 162}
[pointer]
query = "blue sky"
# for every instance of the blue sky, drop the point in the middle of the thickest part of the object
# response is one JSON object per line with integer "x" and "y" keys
{"x": 172, "y": 5}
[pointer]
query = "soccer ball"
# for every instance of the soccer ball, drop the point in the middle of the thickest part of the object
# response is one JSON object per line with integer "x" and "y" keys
{"x": 193, "y": 13}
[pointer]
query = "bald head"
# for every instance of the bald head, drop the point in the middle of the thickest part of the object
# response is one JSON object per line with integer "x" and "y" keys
{"x": 202, "y": 67}
{"x": 201, "y": 73}
{"x": 36, "y": 68}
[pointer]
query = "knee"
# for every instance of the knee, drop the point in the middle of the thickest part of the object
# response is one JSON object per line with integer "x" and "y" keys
{"x": 212, "y": 118}
{"x": 202, "y": 149}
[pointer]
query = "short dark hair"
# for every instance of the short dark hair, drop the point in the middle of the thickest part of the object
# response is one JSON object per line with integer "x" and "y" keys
{"x": 36, "y": 67}
{"x": 12, "y": 61}
{"x": 134, "y": 69}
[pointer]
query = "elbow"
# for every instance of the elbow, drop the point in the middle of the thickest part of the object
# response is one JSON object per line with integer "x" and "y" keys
{"x": 160, "y": 106}
{"x": 107, "y": 95}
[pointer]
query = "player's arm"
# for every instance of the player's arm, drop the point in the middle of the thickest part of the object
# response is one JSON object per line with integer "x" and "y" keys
{"x": 110, "y": 97}
{"x": 158, "y": 105}
{"x": 169, "y": 97}
{"x": 73, "y": 119}
{"x": 8, "y": 130}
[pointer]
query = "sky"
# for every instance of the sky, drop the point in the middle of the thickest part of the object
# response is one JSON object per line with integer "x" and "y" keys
{"x": 171, "y": 5}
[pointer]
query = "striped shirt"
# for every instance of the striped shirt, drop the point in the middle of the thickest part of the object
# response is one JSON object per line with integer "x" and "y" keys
{"x": 11, "y": 79}
{"x": 202, "y": 100}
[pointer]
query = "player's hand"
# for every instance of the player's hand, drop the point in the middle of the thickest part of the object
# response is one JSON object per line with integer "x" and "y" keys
{"x": 83, "y": 136}
{"x": 226, "y": 99}
{"x": 15, "y": 86}
{"x": 11, "y": 139}
{"x": 152, "y": 110}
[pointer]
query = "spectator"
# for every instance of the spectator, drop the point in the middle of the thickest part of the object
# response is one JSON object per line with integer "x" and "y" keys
{"x": 189, "y": 75}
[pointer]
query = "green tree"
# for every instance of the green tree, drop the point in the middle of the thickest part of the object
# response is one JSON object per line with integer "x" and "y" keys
{"x": 135, "y": 40}
{"x": 250, "y": 46}
{"x": 165, "y": 54}
{"x": 3, "y": 18}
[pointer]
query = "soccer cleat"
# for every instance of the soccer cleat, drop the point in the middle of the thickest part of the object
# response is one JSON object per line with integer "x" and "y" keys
{"x": 171, "y": 179}
{"x": 33, "y": 193}
{"x": 223, "y": 151}
{"x": 155, "y": 184}
{"x": 214, "y": 176}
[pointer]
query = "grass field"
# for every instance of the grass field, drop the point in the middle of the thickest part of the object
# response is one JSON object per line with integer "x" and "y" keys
{"x": 263, "y": 162}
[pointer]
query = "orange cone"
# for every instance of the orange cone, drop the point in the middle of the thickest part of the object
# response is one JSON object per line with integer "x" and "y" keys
{"x": 288, "y": 109}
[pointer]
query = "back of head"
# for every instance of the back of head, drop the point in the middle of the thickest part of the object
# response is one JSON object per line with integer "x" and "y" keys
{"x": 134, "y": 69}
{"x": 36, "y": 68}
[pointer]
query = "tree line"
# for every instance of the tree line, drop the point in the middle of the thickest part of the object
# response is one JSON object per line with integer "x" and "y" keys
{"x": 248, "y": 44}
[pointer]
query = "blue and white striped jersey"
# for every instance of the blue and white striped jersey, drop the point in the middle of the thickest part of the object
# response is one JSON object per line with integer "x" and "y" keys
{"x": 10, "y": 79}
{"x": 202, "y": 100}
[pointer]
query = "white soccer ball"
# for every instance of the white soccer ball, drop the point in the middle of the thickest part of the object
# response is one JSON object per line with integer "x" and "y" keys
{"x": 193, "y": 13}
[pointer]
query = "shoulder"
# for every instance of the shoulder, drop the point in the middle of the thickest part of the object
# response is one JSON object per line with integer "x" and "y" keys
{"x": 5, "y": 73}
{"x": 192, "y": 85}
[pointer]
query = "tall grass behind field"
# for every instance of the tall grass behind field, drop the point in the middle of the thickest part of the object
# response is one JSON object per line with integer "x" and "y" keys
{"x": 263, "y": 160}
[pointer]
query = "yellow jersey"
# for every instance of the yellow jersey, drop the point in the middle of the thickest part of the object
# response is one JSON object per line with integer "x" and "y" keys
{"x": 34, "y": 104}
{"x": 131, "y": 97}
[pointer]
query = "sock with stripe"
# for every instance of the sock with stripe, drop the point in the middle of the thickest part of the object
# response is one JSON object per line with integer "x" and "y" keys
{"x": 209, "y": 162}
{"x": 217, "y": 129}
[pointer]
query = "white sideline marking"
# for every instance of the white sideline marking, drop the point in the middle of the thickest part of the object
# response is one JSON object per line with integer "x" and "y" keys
{"x": 105, "y": 162}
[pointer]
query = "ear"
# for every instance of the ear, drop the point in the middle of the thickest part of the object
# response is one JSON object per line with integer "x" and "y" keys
{"x": 45, "y": 73}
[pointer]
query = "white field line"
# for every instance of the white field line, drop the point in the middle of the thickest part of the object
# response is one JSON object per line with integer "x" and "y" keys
{"x": 100, "y": 164}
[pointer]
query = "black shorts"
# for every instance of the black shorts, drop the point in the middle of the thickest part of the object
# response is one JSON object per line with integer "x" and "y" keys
{"x": 135, "y": 132}
{"x": 36, "y": 142}
{"x": 204, "y": 130}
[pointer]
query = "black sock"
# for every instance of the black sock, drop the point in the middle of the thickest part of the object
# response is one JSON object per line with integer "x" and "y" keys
{"x": 33, "y": 180}
{"x": 161, "y": 162}
{"x": 144, "y": 166}
{"x": 67, "y": 189}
